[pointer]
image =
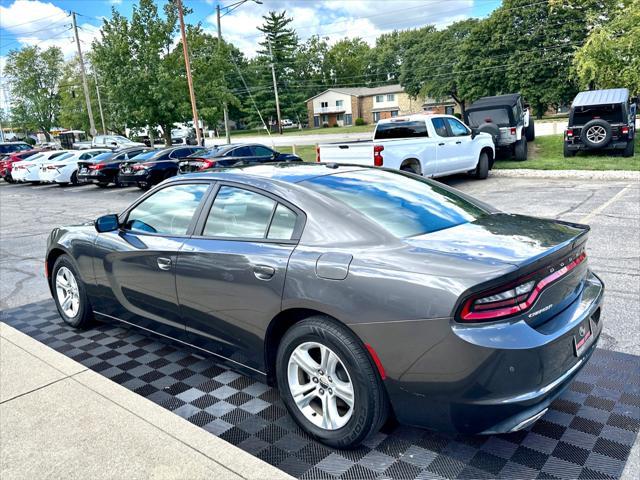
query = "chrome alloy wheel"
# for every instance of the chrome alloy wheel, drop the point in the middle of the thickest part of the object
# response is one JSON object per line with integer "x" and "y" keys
{"x": 321, "y": 386}
{"x": 596, "y": 134}
{"x": 67, "y": 292}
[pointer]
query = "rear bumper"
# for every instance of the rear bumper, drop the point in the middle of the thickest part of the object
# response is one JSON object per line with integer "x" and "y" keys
{"x": 133, "y": 178}
{"x": 90, "y": 177}
{"x": 483, "y": 378}
{"x": 613, "y": 145}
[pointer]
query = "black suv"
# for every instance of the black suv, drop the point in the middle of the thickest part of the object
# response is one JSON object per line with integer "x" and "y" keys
{"x": 601, "y": 120}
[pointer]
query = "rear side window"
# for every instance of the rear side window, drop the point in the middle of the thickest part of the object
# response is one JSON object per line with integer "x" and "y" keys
{"x": 401, "y": 129}
{"x": 260, "y": 151}
{"x": 168, "y": 211}
{"x": 283, "y": 224}
{"x": 239, "y": 213}
{"x": 440, "y": 127}
{"x": 405, "y": 206}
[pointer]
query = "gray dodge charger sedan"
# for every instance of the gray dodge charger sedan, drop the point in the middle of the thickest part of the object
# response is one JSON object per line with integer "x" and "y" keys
{"x": 361, "y": 292}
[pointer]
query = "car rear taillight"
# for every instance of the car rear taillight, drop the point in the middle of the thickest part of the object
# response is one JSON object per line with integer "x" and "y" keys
{"x": 204, "y": 163}
{"x": 569, "y": 133}
{"x": 513, "y": 131}
{"x": 141, "y": 166}
{"x": 317, "y": 154}
{"x": 515, "y": 298}
{"x": 96, "y": 166}
{"x": 377, "y": 155}
{"x": 624, "y": 130}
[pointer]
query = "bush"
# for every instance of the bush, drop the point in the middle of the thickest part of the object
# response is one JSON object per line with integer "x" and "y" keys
{"x": 335, "y": 125}
{"x": 325, "y": 125}
{"x": 457, "y": 115}
{"x": 360, "y": 121}
{"x": 30, "y": 141}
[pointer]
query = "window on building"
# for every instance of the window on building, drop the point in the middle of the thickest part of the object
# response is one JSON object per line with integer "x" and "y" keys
{"x": 324, "y": 104}
{"x": 339, "y": 103}
{"x": 316, "y": 121}
{"x": 340, "y": 117}
{"x": 348, "y": 119}
{"x": 376, "y": 116}
{"x": 391, "y": 97}
{"x": 394, "y": 113}
{"x": 379, "y": 98}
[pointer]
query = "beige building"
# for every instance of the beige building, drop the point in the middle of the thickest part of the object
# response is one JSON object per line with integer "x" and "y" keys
{"x": 342, "y": 106}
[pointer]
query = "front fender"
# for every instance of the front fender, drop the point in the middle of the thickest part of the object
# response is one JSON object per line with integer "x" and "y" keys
{"x": 78, "y": 243}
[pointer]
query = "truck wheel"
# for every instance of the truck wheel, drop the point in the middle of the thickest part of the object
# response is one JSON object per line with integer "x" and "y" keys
{"x": 520, "y": 150}
{"x": 482, "y": 169}
{"x": 411, "y": 166}
{"x": 629, "y": 149}
{"x": 530, "y": 132}
{"x": 568, "y": 153}
{"x": 596, "y": 133}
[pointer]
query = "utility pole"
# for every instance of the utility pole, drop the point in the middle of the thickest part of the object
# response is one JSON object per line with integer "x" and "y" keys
{"x": 225, "y": 109}
{"x": 275, "y": 87}
{"x": 104, "y": 128}
{"x": 187, "y": 65}
{"x": 92, "y": 125}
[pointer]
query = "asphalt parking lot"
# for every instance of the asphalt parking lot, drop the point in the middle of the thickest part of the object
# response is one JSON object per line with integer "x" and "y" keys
{"x": 612, "y": 208}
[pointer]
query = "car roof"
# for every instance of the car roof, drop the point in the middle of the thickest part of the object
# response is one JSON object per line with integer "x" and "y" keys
{"x": 508, "y": 100}
{"x": 601, "y": 97}
{"x": 414, "y": 117}
{"x": 282, "y": 172}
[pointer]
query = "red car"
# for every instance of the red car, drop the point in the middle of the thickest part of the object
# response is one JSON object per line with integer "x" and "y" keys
{"x": 7, "y": 162}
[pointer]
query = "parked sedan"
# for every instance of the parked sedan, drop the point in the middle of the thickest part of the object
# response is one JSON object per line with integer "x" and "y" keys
{"x": 356, "y": 290}
{"x": 29, "y": 170}
{"x": 233, "y": 155}
{"x": 6, "y": 164}
{"x": 151, "y": 168}
{"x": 103, "y": 169}
{"x": 64, "y": 170}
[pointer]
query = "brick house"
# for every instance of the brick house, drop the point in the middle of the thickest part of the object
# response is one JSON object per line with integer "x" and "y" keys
{"x": 341, "y": 106}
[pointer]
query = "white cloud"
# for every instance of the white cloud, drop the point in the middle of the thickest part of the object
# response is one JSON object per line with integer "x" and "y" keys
{"x": 44, "y": 24}
{"x": 335, "y": 19}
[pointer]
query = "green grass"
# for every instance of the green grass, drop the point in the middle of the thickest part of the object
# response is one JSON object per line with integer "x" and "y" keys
{"x": 545, "y": 153}
{"x": 306, "y": 131}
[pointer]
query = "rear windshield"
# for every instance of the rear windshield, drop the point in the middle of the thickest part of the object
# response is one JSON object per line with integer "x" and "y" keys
{"x": 499, "y": 116}
{"x": 103, "y": 156}
{"x": 610, "y": 113}
{"x": 403, "y": 205}
{"x": 209, "y": 152}
{"x": 144, "y": 156}
{"x": 401, "y": 129}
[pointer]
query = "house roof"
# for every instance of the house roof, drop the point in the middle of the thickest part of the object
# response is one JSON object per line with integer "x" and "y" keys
{"x": 601, "y": 97}
{"x": 363, "y": 91}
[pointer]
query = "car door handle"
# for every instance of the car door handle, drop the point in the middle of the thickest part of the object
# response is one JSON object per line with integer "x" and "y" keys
{"x": 263, "y": 272}
{"x": 458, "y": 142}
{"x": 164, "y": 263}
{"x": 441, "y": 144}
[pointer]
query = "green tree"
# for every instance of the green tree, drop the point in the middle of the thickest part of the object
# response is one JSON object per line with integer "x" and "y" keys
{"x": 347, "y": 62}
{"x": 610, "y": 58}
{"x": 33, "y": 77}
{"x": 430, "y": 59}
{"x": 73, "y": 108}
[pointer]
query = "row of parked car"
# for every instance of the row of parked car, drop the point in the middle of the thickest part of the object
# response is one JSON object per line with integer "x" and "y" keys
{"x": 140, "y": 166}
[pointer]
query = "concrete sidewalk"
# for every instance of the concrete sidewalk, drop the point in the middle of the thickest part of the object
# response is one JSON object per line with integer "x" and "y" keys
{"x": 60, "y": 420}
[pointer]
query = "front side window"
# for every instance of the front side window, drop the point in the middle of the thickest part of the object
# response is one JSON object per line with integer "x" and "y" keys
{"x": 260, "y": 151}
{"x": 239, "y": 213}
{"x": 168, "y": 211}
{"x": 405, "y": 206}
{"x": 457, "y": 128}
{"x": 440, "y": 127}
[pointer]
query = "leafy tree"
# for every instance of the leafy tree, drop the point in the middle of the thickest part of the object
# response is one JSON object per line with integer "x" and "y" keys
{"x": 347, "y": 62}
{"x": 387, "y": 57}
{"x": 429, "y": 62}
{"x": 33, "y": 76}
{"x": 610, "y": 58}
{"x": 73, "y": 108}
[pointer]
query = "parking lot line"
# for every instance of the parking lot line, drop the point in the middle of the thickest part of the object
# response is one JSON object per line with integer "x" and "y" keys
{"x": 587, "y": 218}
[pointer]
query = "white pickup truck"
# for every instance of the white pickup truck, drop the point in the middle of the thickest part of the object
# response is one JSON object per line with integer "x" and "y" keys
{"x": 429, "y": 145}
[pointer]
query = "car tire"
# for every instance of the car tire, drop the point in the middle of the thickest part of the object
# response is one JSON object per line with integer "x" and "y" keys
{"x": 530, "y": 131}
{"x": 596, "y": 133}
{"x": 79, "y": 313}
{"x": 568, "y": 153}
{"x": 74, "y": 178}
{"x": 143, "y": 185}
{"x": 629, "y": 150}
{"x": 410, "y": 168}
{"x": 520, "y": 150}
{"x": 102, "y": 184}
{"x": 482, "y": 168}
{"x": 63, "y": 184}
{"x": 356, "y": 376}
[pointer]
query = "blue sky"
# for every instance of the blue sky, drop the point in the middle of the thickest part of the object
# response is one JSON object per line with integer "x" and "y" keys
{"x": 43, "y": 22}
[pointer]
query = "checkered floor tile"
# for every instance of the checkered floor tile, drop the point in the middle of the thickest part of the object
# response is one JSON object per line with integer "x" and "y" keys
{"x": 587, "y": 433}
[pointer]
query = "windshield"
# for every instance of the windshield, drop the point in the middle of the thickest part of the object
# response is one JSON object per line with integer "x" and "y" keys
{"x": 610, "y": 113}
{"x": 403, "y": 205}
{"x": 401, "y": 129}
{"x": 118, "y": 138}
{"x": 499, "y": 116}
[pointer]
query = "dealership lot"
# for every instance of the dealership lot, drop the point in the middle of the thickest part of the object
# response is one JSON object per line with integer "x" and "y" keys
{"x": 612, "y": 208}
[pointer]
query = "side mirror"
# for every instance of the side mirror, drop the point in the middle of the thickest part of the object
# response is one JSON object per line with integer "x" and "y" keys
{"x": 114, "y": 144}
{"x": 107, "y": 223}
{"x": 474, "y": 133}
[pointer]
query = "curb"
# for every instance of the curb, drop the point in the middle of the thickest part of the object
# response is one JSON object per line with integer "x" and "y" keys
{"x": 575, "y": 174}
